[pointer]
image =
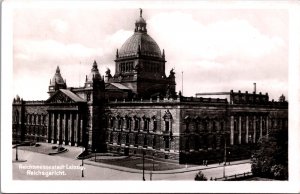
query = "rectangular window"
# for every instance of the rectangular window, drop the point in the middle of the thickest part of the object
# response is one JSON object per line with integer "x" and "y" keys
{"x": 111, "y": 123}
{"x": 128, "y": 124}
{"x": 120, "y": 124}
{"x": 167, "y": 144}
{"x": 136, "y": 124}
{"x": 154, "y": 125}
{"x": 146, "y": 125}
{"x": 167, "y": 123}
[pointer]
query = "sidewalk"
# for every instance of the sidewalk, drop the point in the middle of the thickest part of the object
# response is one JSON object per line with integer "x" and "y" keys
{"x": 73, "y": 152}
{"x": 174, "y": 171}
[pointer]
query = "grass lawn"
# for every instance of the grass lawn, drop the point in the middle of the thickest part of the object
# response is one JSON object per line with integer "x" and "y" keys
{"x": 137, "y": 163}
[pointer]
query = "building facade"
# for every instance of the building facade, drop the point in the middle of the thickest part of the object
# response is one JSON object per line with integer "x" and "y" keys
{"x": 137, "y": 110}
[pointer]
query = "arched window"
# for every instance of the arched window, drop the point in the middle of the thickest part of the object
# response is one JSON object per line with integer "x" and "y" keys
{"x": 154, "y": 123}
{"x": 222, "y": 126}
{"x": 168, "y": 121}
{"x": 197, "y": 121}
{"x": 119, "y": 122}
{"x": 16, "y": 117}
{"x": 187, "y": 123}
{"x": 128, "y": 123}
{"x": 136, "y": 123}
{"x": 214, "y": 127}
{"x": 112, "y": 122}
{"x": 39, "y": 119}
{"x": 146, "y": 123}
{"x": 205, "y": 125}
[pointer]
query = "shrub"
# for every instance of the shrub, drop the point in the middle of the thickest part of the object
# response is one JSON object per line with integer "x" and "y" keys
{"x": 279, "y": 172}
{"x": 37, "y": 145}
{"x": 61, "y": 148}
{"x": 200, "y": 176}
{"x": 270, "y": 160}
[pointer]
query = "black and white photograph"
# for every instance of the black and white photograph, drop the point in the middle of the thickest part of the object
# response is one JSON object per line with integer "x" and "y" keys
{"x": 139, "y": 91}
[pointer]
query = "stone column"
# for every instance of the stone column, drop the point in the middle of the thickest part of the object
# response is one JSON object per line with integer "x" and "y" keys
{"x": 70, "y": 129}
{"x": 63, "y": 129}
{"x": 254, "y": 129}
{"x": 240, "y": 129}
{"x": 49, "y": 128}
{"x": 53, "y": 124}
{"x": 81, "y": 131}
{"x": 76, "y": 130}
{"x": 231, "y": 130}
{"x": 260, "y": 127}
{"x": 247, "y": 129}
{"x": 267, "y": 126}
{"x": 58, "y": 128}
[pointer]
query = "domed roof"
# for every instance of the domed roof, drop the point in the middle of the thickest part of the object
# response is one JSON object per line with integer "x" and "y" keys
{"x": 147, "y": 46}
{"x": 140, "y": 42}
{"x": 94, "y": 73}
{"x": 57, "y": 78}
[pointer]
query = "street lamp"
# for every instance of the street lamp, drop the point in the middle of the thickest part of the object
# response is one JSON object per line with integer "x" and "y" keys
{"x": 143, "y": 165}
{"x": 224, "y": 155}
{"x": 152, "y": 167}
{"x": 17, "y": 152}
{"x": 82, "y": 174}
{"x": 95, "y": 154}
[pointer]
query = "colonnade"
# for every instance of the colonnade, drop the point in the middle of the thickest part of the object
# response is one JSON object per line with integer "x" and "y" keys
{"x": 254, "y": 127}
{"x": 65, "y": 128}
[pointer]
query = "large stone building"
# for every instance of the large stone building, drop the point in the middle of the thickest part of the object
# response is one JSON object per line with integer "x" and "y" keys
{"x": 137, "y": 110}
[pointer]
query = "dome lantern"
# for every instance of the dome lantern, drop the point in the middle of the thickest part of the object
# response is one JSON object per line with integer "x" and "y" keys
{"x": 140, "y": 24}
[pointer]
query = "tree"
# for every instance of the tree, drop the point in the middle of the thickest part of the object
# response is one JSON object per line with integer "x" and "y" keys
{"x": 270, "y": 160}
{"x": 200, "y": 176}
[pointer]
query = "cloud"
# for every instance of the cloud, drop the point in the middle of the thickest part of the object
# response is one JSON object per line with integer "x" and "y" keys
{"x": 36, "y": 50}
{"x": 118, "y": 38}
{"x": 219, "y": 54}
{"x": 218, "y": 39}
{"x": 59, "y": 26}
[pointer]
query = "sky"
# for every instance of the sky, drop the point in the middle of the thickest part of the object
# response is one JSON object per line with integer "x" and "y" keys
{"x": 217, "y": 50}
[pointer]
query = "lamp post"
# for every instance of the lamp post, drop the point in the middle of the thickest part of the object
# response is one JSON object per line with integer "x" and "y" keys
{"x": 250, "y": 142}
{"x": 17, "y": 152}
{"x": 95, "y": 154}
{"x": 143, "y": 165}
{"x": 82, "y": 174}
{"x": 152, "y": 167}
{"x": 224, "y": 155}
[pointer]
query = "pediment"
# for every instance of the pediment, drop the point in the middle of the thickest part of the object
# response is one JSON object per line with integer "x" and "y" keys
{"x": 60, "y": 97}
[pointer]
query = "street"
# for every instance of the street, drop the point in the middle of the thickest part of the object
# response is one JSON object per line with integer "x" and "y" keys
{"x": 45, "y": 167}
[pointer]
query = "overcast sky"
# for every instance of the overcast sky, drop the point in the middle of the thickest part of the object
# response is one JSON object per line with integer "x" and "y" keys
{"x": 217, "y": 49}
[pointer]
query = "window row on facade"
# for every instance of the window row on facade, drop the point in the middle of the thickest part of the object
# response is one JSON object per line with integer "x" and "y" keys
{"x": 126, "y": 67}
{"x": 135, "y": 123}
{"x": 198, "y": 125}
{"x": 35, "y": 119}
{"x": 141, "y": 140}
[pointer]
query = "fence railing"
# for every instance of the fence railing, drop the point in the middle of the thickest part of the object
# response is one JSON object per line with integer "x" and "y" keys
{"x": 233, "y": 177}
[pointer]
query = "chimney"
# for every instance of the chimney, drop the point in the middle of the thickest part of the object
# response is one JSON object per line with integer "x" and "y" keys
{"x": 254, "y": 84}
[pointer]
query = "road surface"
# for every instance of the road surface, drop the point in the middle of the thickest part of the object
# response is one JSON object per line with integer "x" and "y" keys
{"x": 70, "y": 169}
